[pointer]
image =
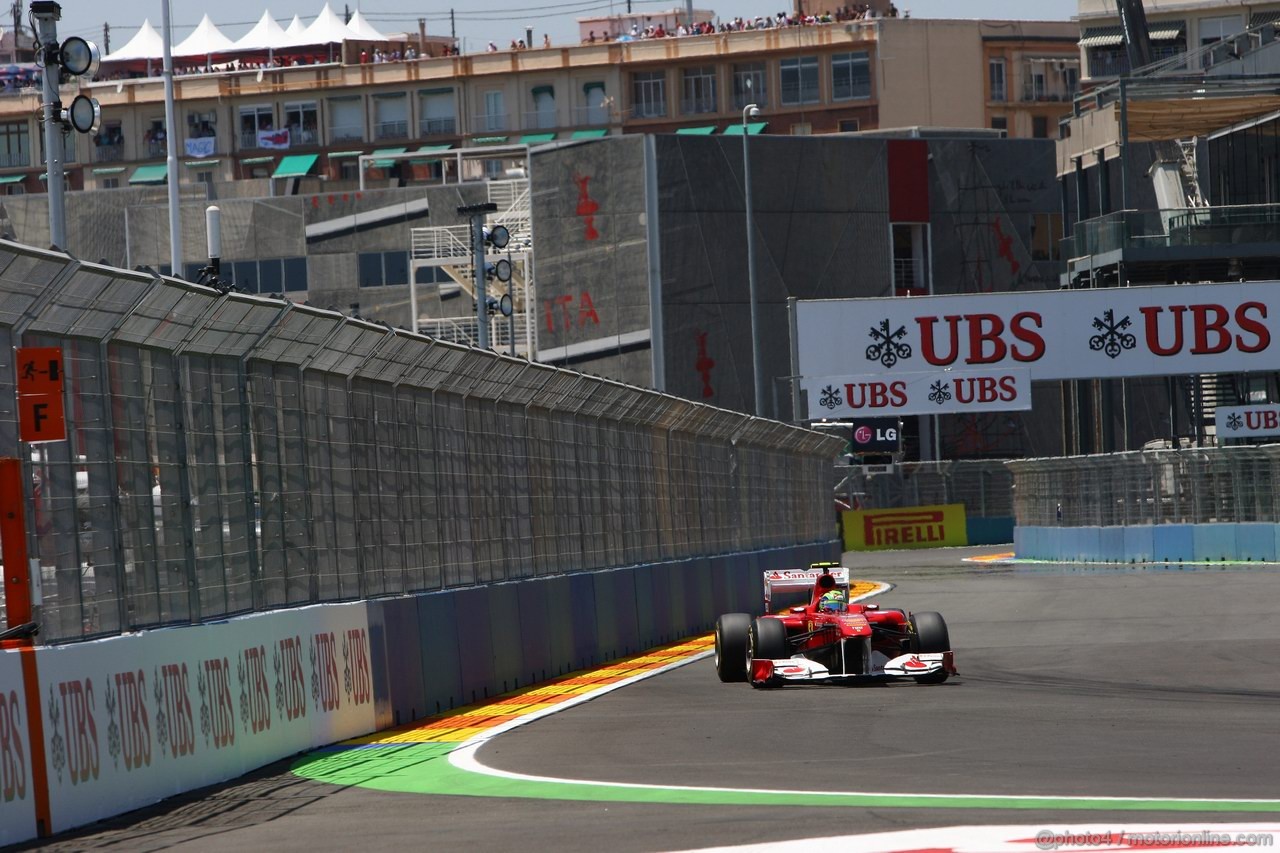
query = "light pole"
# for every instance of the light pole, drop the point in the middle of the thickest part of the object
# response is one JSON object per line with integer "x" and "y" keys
{"x": 752, "y": 111}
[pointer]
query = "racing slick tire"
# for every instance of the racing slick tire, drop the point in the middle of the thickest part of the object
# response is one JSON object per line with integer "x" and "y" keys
{"x": 731, "y": 646}
{"x": 929, "y": 634}
{"x": 767, "y": 641}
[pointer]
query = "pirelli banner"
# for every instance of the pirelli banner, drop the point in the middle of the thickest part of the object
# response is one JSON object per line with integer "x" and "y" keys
{"x": 909, "y": 527}
{"x": 942, "y": 354}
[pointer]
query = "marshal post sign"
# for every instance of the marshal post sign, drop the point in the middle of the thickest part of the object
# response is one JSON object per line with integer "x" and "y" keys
{"x": 1042, "y": 335}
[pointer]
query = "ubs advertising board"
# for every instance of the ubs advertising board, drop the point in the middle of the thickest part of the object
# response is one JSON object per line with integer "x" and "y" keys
{"x": 131, "y": 720}
{"x": 944, "y": 354}
{"x": 17, "y": 793}
{"x": 910, "y": 527}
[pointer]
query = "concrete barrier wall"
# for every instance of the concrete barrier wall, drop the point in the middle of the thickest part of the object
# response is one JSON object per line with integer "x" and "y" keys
{"x": 1160, "y": 543}
{"x": 130, "y": 720}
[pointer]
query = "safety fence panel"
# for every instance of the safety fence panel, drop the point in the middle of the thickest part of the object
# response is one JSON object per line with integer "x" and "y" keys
{"x": 984, "y": 486}
{"x": 232, "y": 453}
{"x": 1184, "y": 486}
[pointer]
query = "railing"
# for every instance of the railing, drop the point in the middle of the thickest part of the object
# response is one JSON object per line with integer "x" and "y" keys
{"x": 760, "y": 99}
{"x": 1125, "y": 229}
{"x": 696, "y": 106}
{"x": 391, "y": 130}
{"x": 346, "y": 133}
{"x": 489, "y": 122}
{"x": 14, "y": 159}
{"x": 984, "y": 486}
{"x": 649, "y": 110}
{"x": 157, "y": 148}
{"x": 111, "y": 153}
{"x": 904, "y": 274}
{"x": 1039, "y": 94}
{"x": 540, "y": 120}
{"x": 586, "y": 116}
{"x": 438, "y": 126}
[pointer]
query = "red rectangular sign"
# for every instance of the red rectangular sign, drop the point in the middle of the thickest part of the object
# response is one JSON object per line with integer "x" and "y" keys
{"x": 39, "y": 370}
{"x": 41, "y": 417}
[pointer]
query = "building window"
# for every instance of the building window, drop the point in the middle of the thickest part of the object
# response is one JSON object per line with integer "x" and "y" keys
{"x": 749, "y": 85}
{"x": 649, "y": 94}
{"x": 544, "y": 108}
{"x": 1216, "y": 29}
{"x": 110, "y": 183}
{"x": 302, "y": 120}
{"x": 699, "y": 90}
{"x": 1001, "y": 124}
{"x": 850, "y": 76}
{"x": 253, "y": 120}
{"x": 800, "y": 81}
{"x": 436, "y": 108}
{"x": 801, "y": 129}
{"x": 996, "y": 75}
{"x": 850, "y": 125}
{"x": 1046, "y": 234}
{"x": 15, "y": 144}
{"x": 1040, "y": 127}
{"x": 346, "y": 120}
{"x": 596, "y": 110}
{"x": 495, "y": 111}
{"x": 349, "y": 170}
{"x": 155, "y": 140}
{"x": 269, "y": 275}
{"x": 382, "y": 269}
{"x": 108, "y": 143}
{"x": 390, "y": 116}
{"x": 205, "y": 177}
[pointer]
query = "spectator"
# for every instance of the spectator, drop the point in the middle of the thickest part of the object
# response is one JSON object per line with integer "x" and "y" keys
{"x": 546, "y": 40}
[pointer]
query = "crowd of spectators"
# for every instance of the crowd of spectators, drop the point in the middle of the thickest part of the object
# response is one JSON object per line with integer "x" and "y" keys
{"x": 854, "y": 12}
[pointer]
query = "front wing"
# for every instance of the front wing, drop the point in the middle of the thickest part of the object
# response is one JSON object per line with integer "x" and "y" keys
{"x": 799, "y": 669}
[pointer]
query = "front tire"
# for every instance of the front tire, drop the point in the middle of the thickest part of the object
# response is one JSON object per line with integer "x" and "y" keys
{"x": 731, "y": 646}
{"x": 767, "y": 641}
{"x": 929, "y": 635}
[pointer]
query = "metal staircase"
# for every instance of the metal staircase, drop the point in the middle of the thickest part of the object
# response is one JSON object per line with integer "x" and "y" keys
{"x": 448, "y": 248}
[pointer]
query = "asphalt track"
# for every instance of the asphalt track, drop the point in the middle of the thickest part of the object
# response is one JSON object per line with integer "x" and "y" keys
{"x": 1075, "y": 682}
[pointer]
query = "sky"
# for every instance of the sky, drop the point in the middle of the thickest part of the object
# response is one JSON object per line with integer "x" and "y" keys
{"x": 477, "y": 21}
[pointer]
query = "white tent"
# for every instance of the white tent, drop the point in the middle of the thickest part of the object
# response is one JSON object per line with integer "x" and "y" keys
{"x": 266, "y": 34}
{"x": 295, "y": 30}
{"x": 145, "y": 44}
{"x": 206, "y": 39}
{"x": 363, "y": 29}
{"x": 327, "y": 28}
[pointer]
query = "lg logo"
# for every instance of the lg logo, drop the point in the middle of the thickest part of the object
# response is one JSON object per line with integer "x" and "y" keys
{"x": 865, "y": 434}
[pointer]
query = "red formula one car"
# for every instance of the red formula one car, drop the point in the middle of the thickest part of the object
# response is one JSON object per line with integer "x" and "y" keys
{"x": 830, "y": 639}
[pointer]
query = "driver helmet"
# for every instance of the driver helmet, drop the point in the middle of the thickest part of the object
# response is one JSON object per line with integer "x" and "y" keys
{"x": 833, "y": 600}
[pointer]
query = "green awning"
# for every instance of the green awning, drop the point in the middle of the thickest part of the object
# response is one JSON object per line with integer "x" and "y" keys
{"x": 441, "y": 90}
{"x": 108, "y": 170}
{"x": 257, "y": 161}
{"x": 536, "y": 138}
{"x": 752, "y": 129}
{"x": 14, "y": 179}
{"x": 543, "y": 90}
{"x": 344, "y": 155}
{"x": 489, "y": 140}
{"x": 201, "y": 164}
{"x": 385, "y": 164}
{"x": 594, "y": 133}
{"x": 431, "y": 149}
{"x": 697, "y": 131}
{"x": 295, "y": 166}
{"x": 157, "y": 174}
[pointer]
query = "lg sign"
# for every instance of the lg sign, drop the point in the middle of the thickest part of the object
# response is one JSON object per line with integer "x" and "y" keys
{"x": 875, "y": 435}
{"x": 1083, "y": 334}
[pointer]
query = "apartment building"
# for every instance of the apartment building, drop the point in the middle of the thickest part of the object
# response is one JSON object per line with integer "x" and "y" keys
{"x": 304, "y": 127}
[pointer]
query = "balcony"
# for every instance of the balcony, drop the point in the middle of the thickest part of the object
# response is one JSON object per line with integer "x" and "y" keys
{"x": 583, "y": 116}
{"x": 642, "y": 111}
{"x": 111, "y": 153}
{"x": 391, "y": 130}
{"x": 698, "y": 106}
{"x": 438, "y": 126}
{"x": 157, "y": 148}
{"x": 540, "y": 120}
{"x": 1033, "y": 93}
{"x": 11, "y": 159}
{"x": 489, "y": 123}
{"x": 346, "y": 133}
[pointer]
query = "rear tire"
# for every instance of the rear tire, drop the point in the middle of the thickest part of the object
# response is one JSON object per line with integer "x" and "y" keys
{"x": 929, "y": 635}
{"x": 731, "y": 646}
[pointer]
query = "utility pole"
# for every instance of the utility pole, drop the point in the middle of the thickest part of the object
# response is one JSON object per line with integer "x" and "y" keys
{"x": 46, "y": 17}
{"x": 453, "y": 29}
{"x": 346, "y": 14}
{"x": 106, "y": 39}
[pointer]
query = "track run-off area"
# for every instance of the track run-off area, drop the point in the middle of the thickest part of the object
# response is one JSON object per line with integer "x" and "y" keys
{"x": 1117, "y": 698}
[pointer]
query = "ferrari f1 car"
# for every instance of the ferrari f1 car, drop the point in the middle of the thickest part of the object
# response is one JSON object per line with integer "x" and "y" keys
{"x": 830, "y": 639}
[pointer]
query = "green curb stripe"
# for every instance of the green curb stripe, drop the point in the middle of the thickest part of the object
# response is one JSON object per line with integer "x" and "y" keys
{"x": 426, "y": 769}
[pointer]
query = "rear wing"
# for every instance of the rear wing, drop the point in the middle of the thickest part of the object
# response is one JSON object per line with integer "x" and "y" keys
{"x": 792, "y": 580}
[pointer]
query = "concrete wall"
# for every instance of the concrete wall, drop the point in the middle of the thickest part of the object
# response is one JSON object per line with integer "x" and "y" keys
{"x": 1159, "y": 543}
